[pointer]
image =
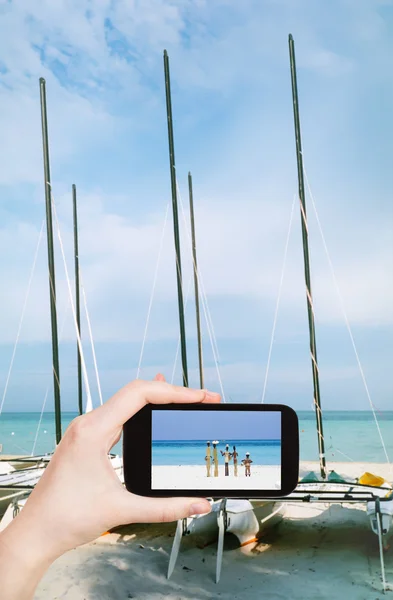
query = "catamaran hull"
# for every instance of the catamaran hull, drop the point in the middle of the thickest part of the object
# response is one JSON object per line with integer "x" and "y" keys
{"x": 386, "y": 519}
{"x": 248, "y": 521}
{"x": 245, "y": 519}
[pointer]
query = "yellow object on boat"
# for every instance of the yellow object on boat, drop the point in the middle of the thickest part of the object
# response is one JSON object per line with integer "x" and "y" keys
{"x": 370, "y": 479}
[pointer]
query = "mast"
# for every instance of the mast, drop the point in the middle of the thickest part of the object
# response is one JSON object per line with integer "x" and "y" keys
{"x": 51, "y": 260}
{"x": 310, "y": 309}
{"x": 194, "y": 260}
{"x": 175, "y": 219}
{"x": 77, "y": 297}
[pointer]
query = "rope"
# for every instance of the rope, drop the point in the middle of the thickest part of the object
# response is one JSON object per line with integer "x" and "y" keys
{"x": 203, "y": 298}
{"x": 208, "y": 317}
{"x": 22, "y": 316}
{"x": 278, "y": 299}
{"x": 89, "y": 404}
{"x": 152, "y": 292}
{"x": 47, "y": 389}
{"x": 347, "y": 320}
{"x": 91, "y": 339}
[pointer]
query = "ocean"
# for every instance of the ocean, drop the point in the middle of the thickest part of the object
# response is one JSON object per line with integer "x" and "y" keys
{"x": 266, "y": 452}
{"x": 349, "y": 435}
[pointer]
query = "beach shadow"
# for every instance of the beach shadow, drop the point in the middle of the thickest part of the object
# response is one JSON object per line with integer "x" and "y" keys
{"x": 331, "y": 554}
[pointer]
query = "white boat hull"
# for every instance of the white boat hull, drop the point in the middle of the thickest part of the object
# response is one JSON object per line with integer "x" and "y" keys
{"x": 247, "y": 520}
{"x": 203, "y": 528}
{"x": 386, "y": 519}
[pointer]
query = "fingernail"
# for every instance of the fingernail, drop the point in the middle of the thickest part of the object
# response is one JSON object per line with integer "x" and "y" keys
{"x": 199, "y": 508}
{"x": 211, "y": 394}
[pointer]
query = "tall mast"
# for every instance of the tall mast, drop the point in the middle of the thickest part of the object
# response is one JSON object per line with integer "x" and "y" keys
{"x": 175, "y": 219}
{"x": 310, "y": 309}
{"x": 51, "y": 260}
{"x": 77, "y": 297}
{"x": 194, "y": 259}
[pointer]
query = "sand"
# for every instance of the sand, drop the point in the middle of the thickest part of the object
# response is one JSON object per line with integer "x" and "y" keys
{"x": 318, "y": 551}
{"x": 194, "y": 477}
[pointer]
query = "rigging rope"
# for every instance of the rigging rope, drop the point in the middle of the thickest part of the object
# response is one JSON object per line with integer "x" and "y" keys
{"x": 278, "y": 299}
{"x": 152, "y": 292}
{"x": 346, "y": 317}
{"x": 203, "y": 298}
{"x": 47, "y": 389}
{"x": 91, "y": 339}
{"x": 208, "y": 317}
{"x": 22, "y": 315}
{"x": 89, "y": 404}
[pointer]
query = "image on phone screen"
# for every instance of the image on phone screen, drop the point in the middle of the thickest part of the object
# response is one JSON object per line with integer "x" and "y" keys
{"x": 216, "y": 449}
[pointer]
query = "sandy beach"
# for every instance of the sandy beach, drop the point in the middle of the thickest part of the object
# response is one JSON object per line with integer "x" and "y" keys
{"x": 318, "y": 551}
{"x": 193, "y": 477}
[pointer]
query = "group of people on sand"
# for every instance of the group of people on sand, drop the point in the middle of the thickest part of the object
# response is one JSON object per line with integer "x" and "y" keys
{"x": 228, "y": 456}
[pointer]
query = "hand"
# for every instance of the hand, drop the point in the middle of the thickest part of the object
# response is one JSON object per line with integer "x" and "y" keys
{"x": 79, "y": 496}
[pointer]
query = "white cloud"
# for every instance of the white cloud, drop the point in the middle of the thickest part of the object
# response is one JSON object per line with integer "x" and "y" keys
{"x": 239, "y": 254}
{"x": 232, "y": 58}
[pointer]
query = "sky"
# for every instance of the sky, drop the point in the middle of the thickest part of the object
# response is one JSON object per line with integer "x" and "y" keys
{"x": 215, "y": 425}
{"x": 233, "y": 128}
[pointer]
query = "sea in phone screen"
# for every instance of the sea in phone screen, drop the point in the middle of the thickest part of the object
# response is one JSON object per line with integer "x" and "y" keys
{"x": 216, "y": 450}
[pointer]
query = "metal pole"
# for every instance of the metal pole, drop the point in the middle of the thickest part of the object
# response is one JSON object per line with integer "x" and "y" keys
{"x": 194, "y": 259}
{"x": 175, "y": 219}
{"x": 310, "y": 309}
{"x": 77, "y": 298}
{"x": 51, "y": 260}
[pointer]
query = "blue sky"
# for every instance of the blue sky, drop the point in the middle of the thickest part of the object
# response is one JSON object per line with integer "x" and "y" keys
{"x": 215, "y": 425}
{"x": 102, "y": 61}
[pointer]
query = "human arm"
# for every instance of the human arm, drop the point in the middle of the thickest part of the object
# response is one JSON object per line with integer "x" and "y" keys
{"x": 79, "y": 496}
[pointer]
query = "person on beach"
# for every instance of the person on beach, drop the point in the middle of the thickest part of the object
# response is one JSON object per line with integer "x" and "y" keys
{"x": 234, "y": 455}
{"x": 79, "y": 495}
{"x": 215, "y": 458}
{"x": 227, "y": 458}
{"x": 208, "y": 458}
{"x": 247, "y": 463}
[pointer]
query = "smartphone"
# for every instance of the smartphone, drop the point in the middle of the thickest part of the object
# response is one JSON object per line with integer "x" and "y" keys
{"x": 212, "y": 450}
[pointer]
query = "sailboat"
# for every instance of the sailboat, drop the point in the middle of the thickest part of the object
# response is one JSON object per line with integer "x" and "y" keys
{"x": 25, "y": 479}
{"x": 373, "y": 491}
{"x": 324, "y": 486}
{"x": 17, "y": 483}
{"x": 244, "y": 518}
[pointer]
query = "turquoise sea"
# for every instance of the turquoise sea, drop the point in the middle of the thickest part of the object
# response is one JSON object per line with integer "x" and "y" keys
{"x": 186, "y": 452}
{"x": 349, "y": 435}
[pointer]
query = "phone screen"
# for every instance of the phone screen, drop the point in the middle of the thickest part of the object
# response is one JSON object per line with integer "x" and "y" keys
{"x": 216, "y": 450}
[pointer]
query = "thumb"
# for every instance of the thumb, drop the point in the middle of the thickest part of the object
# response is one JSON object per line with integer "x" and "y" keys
{"x": 139, "y": 509}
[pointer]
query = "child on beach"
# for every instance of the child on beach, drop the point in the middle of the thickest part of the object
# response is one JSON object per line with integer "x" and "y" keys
{"x": 228, "y": 457}
{"x": 247, "y": 463}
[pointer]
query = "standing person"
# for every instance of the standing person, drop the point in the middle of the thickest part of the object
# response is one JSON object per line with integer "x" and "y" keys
{"x": 208, "y": 458}
{"x": 215, "y": 458}
{"x": 234, "y": 455}
{"x": 247, "y": 463}
{"x": 228, "y": 456}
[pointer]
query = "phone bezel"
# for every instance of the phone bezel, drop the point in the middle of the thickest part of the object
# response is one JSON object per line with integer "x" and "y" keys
{"x": 137, "y": 452}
